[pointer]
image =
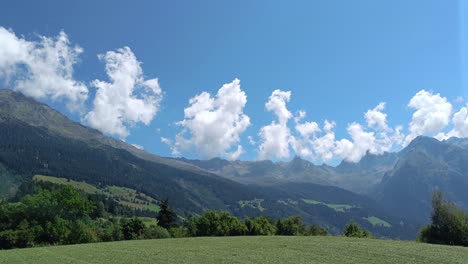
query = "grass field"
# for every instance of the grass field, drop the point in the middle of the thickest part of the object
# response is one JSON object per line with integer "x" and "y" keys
{"x": 243, "y": 250}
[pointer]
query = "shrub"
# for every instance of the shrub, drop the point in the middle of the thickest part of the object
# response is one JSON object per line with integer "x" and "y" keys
{"x": 133, "y": 228}
{"x": 215, "y": 224}
{"x": 109, "y": 230}
{"x": 156, "y": 232}
{"x": 260, "y": 226}
{"x": 82, "y": 232}
{"x": 291, "y": 226}
{"x": 316, "y": 230}
{"x": 354, "y": 230}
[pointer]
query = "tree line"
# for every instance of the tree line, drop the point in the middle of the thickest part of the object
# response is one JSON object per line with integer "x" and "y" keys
{"x": 58, "y": 215}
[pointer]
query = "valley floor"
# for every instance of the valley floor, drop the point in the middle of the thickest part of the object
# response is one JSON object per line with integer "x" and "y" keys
{"x": 242, "y": 250}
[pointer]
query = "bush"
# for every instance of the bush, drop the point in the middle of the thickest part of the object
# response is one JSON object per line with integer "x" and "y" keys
{"x": 316, "y": 230}
{"x": 291, "y": 226}
{"x": 354, "y": 230}
{"x": 16, "y": 238}
{"x": 156, "y": 232}
{"x": 82, "y": 232}
{"x": 424, "y": 234}
{"x": 215, "y": 224}
{"x": 230, "y": 225}
{"x": 133, "y": 228}
{"x": 109, "y": 230}
{"x": 260, "y": 226}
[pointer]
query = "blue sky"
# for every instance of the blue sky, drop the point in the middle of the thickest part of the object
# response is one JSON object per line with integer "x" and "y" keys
{"x": 338, "y": 59}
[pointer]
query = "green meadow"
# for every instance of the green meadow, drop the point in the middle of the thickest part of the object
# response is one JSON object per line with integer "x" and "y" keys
{"x": 270, "y": 249}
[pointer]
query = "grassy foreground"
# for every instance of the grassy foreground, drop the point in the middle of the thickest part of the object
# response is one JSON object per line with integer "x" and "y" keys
{"x": 242, "y": 250}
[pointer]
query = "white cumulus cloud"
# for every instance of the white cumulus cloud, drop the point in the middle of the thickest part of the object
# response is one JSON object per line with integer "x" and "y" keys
{"x": 460, "y": 125}
{"x": 324, "y": 146}
{"x": 307, "y": 131}
{"x": 376, "y": 117}
{"x": 432, "y": 114}
{"x": 362, "y": 142}
{"x": 126, "y": 99}
{"x": 321, "y": 145}
{"x": 212, "y": 125}
{"x": 275, "y": 137}
{"x": 42, "y": 68}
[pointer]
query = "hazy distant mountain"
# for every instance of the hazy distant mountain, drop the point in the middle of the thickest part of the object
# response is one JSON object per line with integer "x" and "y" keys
{"x": 426, "y": 164}
{"x": 347, "y": 175}
{"x": 460, "y": 142}
{"x": 266, "y": 172}
{"x": 35, "y": 139}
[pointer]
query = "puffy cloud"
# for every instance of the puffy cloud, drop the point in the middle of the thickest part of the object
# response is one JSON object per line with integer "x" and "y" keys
{"x": 42, "y": 68}
{"x": 376, "y": 117}
{"x": 307, "y": 130}
{"x": 13, "y": 51}
{"x": 275, "y": 137}
{"x": 212, "y": 125}
{"x": 460, "y": 125}
{"x": 324, "y": 146}
{"x": 432, "y": 114}
{"x": 277, "y": 104}
{"x": 321, "y": 144}
{"x": 274, "y": 141}
{"x": 376, "y": 138}
{"x": 126, "y": 99}
{"x": 362, "y": 142}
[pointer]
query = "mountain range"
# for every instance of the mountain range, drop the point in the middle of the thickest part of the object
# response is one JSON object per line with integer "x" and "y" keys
{"x": 388, "y": 194}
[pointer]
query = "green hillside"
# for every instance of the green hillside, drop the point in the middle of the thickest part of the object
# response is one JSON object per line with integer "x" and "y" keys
{"x": 243, "y": 250}
{"x": 124, "y": 196}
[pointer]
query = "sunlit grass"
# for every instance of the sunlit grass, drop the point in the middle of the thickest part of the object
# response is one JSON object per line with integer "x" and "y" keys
{"x": 243, "y": 250}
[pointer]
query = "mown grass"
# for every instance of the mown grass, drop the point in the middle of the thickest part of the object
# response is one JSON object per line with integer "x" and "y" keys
{"x": 243, "y": 250}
